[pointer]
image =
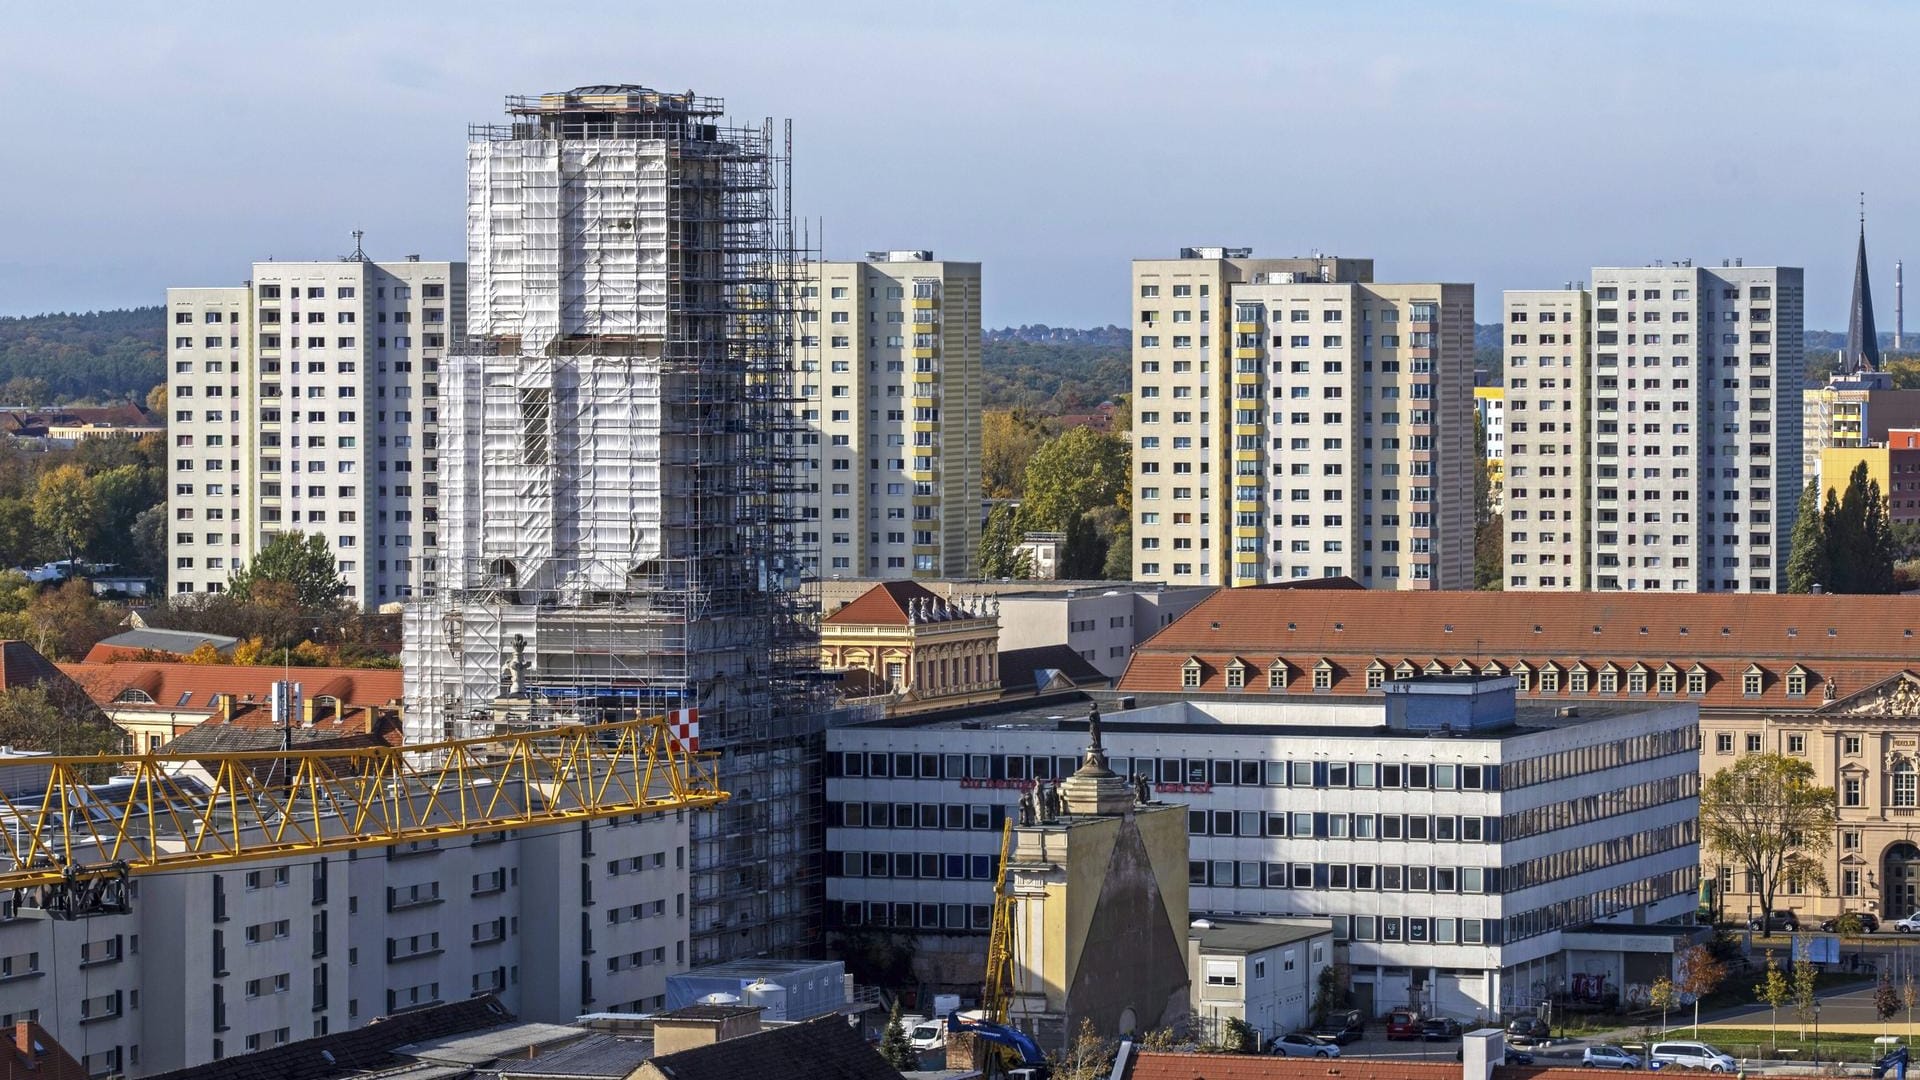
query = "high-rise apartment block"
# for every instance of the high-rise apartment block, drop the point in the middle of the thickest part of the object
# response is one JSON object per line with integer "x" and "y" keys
{"x": 306, "y": 401}
{"x": 623, "y": 529}
{"x": 1687, "y": 471}
{"x": 1328, "y": 433}
{"x": 1544, "y": 490}
{"x": 889, "y": 355}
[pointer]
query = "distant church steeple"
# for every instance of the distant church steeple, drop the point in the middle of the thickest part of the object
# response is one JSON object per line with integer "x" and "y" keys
{"x": 1863, "y": 341}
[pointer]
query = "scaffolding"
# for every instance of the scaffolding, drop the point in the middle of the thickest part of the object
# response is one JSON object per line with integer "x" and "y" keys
{"x": 622, "y": 506}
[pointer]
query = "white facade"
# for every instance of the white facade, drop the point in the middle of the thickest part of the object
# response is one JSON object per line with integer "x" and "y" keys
{"x": 889, "y": 373}
{"x": 307, "y": 401}
{"x": 1508, "y": 838}
{"x": 1102, "y": 623}
{"x": 1546, "y": 353}
{"x": 214, "y": 963}
{"x": 1693, "y": 404}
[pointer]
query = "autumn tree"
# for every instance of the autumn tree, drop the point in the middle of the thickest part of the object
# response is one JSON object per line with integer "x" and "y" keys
{"x": 1090, "y": 1057}
{"x": 1240, "y": 1037}
{"x": 1806, "y": 983}
{"x": 1079, "y": 484}
{"x": 1701, "y": 973}
{"x": 1664, "y": 996}
{"x": 58, "y": 721}
{"x": 301, "y": 562}
{"x": 66, "y": 507}
{"x": 1008, "y": 438}
{"x": 1775, "y": 990}
{"x": 1766, "y": 814}
{"x": 65, "y": 621}
{"x": 999, "y": 554}
{"x": 1886, "y": 1000}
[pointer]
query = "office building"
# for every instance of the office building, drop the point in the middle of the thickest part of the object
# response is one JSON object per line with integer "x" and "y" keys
{"x": 1181, "y": 366}
{"x": 1893, "y": 464}
{"x": 889, "y": 356}
{"x": 306, "y": 401}
{"x": 1431, "y": 827}
{"x": 621, "y": 527}
{"x": 1692, "y": 417}
{"x": 1543, "y": 467}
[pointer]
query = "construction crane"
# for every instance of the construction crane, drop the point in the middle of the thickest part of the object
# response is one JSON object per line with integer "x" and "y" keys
{"x": 70, "y": 849}
{"x": 1019, "y": 1056}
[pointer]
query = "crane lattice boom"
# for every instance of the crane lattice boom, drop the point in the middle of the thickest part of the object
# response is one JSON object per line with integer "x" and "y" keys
{"x": 168, "y": 812}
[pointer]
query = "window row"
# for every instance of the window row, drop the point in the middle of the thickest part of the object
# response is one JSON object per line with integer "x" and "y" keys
{"x": 1301, "y": 825}
{"x": 1360, "y": 877}
{"x": 1219, "y": 772}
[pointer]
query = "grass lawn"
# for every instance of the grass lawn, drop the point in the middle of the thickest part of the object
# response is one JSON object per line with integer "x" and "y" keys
{"x": 1746, "y": 1043}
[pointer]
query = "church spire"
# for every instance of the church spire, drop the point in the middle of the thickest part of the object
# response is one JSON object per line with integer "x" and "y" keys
{"x": 1863, "y": 341}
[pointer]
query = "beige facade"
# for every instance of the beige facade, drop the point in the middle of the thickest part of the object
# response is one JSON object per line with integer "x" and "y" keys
{"x": 889, "y": 358}
{"x": 1867, "y": 748}
{"x": 1182, "y": 379}
{"x": 1546, "y": 358}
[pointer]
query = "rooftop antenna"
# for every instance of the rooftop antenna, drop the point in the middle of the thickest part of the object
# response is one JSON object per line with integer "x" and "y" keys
{"x": 359, "y": 254}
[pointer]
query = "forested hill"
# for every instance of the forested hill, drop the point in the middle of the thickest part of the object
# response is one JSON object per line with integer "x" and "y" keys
{"x": 94, "y": 356}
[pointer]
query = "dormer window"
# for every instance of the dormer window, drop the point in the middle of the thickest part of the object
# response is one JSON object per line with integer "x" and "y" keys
{"x": 1435, "y": 667}
{"x": 1323, "y": 675}
{"x": 1277, "y": 675}
{"x": 1797, "y": 681}
{"x": 1463, "y": 668}
{"x": 1577, "y": 679}
{"x": 1523, "y": 677}
{"x": 1376, "y": 675}
{"x": 1637, "y": 679}
{"x": 1550, "y": 679}
{"x": 1609, "y": 680}
{"x": 1403, "y": 670}
{"x": 1696, "y": 680}
{"x": 1236, "y": 675}
{"x": 1753, "y": 681}
{"x": 1668, "y": 681}
{"x": 1190, "y": 674}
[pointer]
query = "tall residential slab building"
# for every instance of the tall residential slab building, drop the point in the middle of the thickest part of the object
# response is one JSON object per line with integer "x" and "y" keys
{"x": 622, "y": 531}
{"x": 306, "y": 401}
{"x": 1182, "y": 377}
{"x": 1544, "y": 492}
{"x": 889, "y": 358}
{"x": 1692, "y": 474}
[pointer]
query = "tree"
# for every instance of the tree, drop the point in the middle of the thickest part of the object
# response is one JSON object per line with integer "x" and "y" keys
{"x": 21, "y": 542}
{"x": 1490, "y": 554}
{"x": 58, "y": 721}
{"x": 302, "y": 561}
{"x": 1909, "y": 996}
{"x": 894, "y": 1046}
{"x": 1079, "y": 471}
{"x": 157, "y": 399}
{"x": 999, "y": 555}
{"x": 67, "y": 508}
{"x": 1806, "y": 982}
{"x": 1860, "y": 546}
{"x": 66, "y": 621}
{"x": 1482, "y": 473}
{"x": 1089, "y": 1058}
{"x": 1701, "y": 973}
{"x": 1008, "y": 438}
{"x": 1119, "y": 565}
{"x": 1875, "y": 574}
{"x": 122, "y": 493}
{"x": 1774, "y": 989}
{"x": 1328, "y": 991}
{"x": 1766, "y": 814}
{"x": 1241, "y": 1038}
{"x": 1662, "y": 995}
{"x": 1886, "y": 1000}
{"x": 1807, "y": 566}
{"x": 149, "y": 543}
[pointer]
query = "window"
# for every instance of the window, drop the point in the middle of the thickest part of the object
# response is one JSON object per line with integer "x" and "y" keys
{"x": 1903, "y": 784}
{"x": 1723, "y": 742}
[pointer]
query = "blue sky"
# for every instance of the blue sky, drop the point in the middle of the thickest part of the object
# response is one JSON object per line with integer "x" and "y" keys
{"x": 1512, "y": 145}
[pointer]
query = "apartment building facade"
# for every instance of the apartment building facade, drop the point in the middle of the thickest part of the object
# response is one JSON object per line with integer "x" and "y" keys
{"x": 557, "y": 921}
{"x": 305, "y": 401}
{"x": 1544, "y": 490}
{"x": 1182, "y": 365}
{"x": 889, "y": 371}
{"x": 1693, "y": 470}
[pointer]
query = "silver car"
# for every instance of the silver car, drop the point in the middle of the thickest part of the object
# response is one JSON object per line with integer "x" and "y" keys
{"x": 1609, "y": 1057}
{"x": 1300, "y": 1044}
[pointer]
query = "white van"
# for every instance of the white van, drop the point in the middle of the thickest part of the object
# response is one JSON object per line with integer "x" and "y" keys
{"x": 930, "y": 1035}
{"x": 1689, "y": 1055}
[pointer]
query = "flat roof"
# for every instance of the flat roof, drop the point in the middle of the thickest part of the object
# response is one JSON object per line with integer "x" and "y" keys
{"x": 1254, "y": 935}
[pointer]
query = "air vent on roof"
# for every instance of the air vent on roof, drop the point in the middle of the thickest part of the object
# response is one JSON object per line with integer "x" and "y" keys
{"x": 1793, "y": 631}
{"x": 1908, "y": 633}
{"x": 1643, "y": 631}
{"x": 1726, "y": 631}
{"x": 1683, "y": 631}
{"x": 1833, "y": 631}
{"x": 1214, "y": 626}
{"x": 1447, "y": 628}
{"x": 1291, "y": 626}
{"x": 1596, "y": 628}
{"x": 1536, "y": 628}
{"x": 1339, "y": 626}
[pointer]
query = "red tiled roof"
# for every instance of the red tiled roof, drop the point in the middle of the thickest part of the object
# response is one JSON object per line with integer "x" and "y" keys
{"x": 883, "y": 605}
{"x": 1854, "y": 640}
{"x": 32, "y": 1054}
{"x": 22, "y": 665}
{"x": 1155, "y": 1065}
{"x": 166, "y": 682}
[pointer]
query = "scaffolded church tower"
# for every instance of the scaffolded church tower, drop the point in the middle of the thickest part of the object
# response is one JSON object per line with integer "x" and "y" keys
{"x": 620, "y": 527}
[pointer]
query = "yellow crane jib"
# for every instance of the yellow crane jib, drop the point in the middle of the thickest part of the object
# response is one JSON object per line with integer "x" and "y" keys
{"x": 79, "y": 837}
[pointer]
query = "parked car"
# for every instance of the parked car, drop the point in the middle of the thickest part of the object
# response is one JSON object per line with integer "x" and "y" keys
{"x": 1514, "y": 1057}
{"x": 1440, "y": 1029}
{"x": 1690, "y": 1055}
{"x": 1869, "y": 923}
{"x": 1526, "y": 1030}
{"x": 1405, "y": 1024}
{"x": 1775, "y": 922}
{"x": 931, "y": 1035}
{"x": 1342, "y": 1029}
{"x": 1609, "y": 1057}
{"x": 1908, "y": 925}
{"x": 1301, "y": 1044}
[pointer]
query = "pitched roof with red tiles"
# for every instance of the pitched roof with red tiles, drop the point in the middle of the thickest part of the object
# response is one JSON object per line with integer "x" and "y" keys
{"x": 32, "y": 1054}
{"x": 1160, "y": 1065}
{"x": 885, "y": 604}
{"x": 175, "y": 687}
{"x": 1856, "y": 641}
{"x": 22, "y": 665}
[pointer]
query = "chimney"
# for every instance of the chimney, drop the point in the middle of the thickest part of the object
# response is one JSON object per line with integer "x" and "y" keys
{"x": 306, "y": 712}
{"x": 702, "y": 1025}
{"x": 226, "y": 708}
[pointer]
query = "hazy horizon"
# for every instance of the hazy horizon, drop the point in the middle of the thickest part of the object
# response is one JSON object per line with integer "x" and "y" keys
{"x": 1511, "y": 145}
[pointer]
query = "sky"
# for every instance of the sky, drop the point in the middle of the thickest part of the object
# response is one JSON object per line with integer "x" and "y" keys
{"x": 1510, "y": 145}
